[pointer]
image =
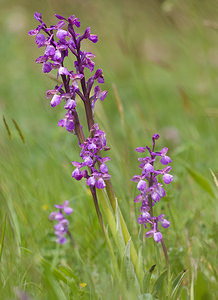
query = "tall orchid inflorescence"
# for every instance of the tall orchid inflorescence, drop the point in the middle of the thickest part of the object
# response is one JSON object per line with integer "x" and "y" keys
{"x": 151, "y": 191}
{"x": 58, "y": 44}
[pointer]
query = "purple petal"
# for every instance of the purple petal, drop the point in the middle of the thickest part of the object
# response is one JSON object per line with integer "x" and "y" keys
{"x": 55, "y": 100}
{"x": 155, "y": 196}
{"x": 61, "y": 34}
{"x": 148, "y": 167}
{"x": 136, "y": 178}
{"x": 66, "y": 203}
{"x": 161, "y": 191}
{"x": 149, "y": 233}
{"x": 68, "y": 210}
{"x": 163, "y": 152}
{"x": 59, "y": 216}
{"x": 93, "y": 38}
{"x": 69, "y": 125}
{"x": 142, "y": 185}
{"x": 103, "y": 168}
{"x": 74, "y": 21}
{"x": 166, "y": 169}
{"x": 103, "y": 95}
{"x": 70, "y": 104}
{"x": 59, "y": 17}
{"x": 49, "y": 50}
{"x": 63, "y": 71}
{"x": 106, "y": 176}
{"x": 100, "y": 184}
{"x": 58, "y": 206}
{"x": 61, "y": 240}
{"x": 104, "y": 159}
{"x": 144, "y": 210}
{"x": 165, "y": 160}
{"x": 62, "y": 123}
{"x": 33, "y": 32}
{"x": 40, "y": 39}
{"x": 138, "y": 198}
{"x": 87, "y": 33}
{"x": 76, "y": 164}
{"x": 141, "y": 220}
{"x": 155, "y": 136}
{"x": 47, "y": 67}
{"x": 57, "y": 56}
{"x": 165, "y": 223}
{"x": 77, "y": 174}
{"x": 140, "y": 149}
{"x": 167, "y": 178}
{"x": 91, "y": 181}
{"x": 38, "y": 16}
{"x": 52, "y": 216}
{"x": 41, "y": 59}
{"x": 88, "y": 161}
{"x": 157, "y": 236}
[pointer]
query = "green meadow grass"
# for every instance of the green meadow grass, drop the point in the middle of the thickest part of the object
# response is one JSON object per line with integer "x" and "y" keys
{"x": 160, "y": 65}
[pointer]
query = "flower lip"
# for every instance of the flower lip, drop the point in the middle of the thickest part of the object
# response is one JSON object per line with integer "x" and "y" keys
{"x": 55, "y": 100}
{"x": 167, "y": 178}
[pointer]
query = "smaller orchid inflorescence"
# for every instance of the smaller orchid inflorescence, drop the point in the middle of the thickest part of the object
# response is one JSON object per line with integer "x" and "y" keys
{"x": 151, "y": 191}
{"x": 61, "y": 228}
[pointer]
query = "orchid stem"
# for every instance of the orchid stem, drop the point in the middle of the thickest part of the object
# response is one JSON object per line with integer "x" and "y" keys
{"x": 165, "y": 253}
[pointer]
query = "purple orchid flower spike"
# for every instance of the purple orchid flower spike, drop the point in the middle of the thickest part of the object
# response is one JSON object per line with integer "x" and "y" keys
{"x": 58, "y": 42}
{"x": 151, "y": 191}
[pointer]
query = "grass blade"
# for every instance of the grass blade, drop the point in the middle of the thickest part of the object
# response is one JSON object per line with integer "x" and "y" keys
{"x": 7, "y": 127}
{"x": 177, "y": 284}
{"x": 201, "y": 181}
{"x": 2, "y": 237}
{"x": 19, "y": 131}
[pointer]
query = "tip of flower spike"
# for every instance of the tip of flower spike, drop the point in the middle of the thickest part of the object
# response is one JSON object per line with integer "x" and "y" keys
{"x": 59, "y": 17}
{"x": 140, "y": 149}
{"x": 38, "y": 16}
{"x": 74, "y": 21}
{"x": 155, "y": 136}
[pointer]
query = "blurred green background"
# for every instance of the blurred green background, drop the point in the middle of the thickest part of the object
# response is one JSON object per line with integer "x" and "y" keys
{"x": 160, "y": 62}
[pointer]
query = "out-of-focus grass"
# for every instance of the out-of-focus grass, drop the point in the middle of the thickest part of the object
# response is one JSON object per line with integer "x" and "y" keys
{"x": 163, "y": 59}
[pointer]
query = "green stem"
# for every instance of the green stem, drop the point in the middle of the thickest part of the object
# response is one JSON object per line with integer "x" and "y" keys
{"x": 165, "y": 253}
{"x": 93, "y": 191}
{"x": 71, "y": 238}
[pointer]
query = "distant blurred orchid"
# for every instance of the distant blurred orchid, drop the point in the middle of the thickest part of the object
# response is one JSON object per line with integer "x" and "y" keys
{"x": 61, "y": 228}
